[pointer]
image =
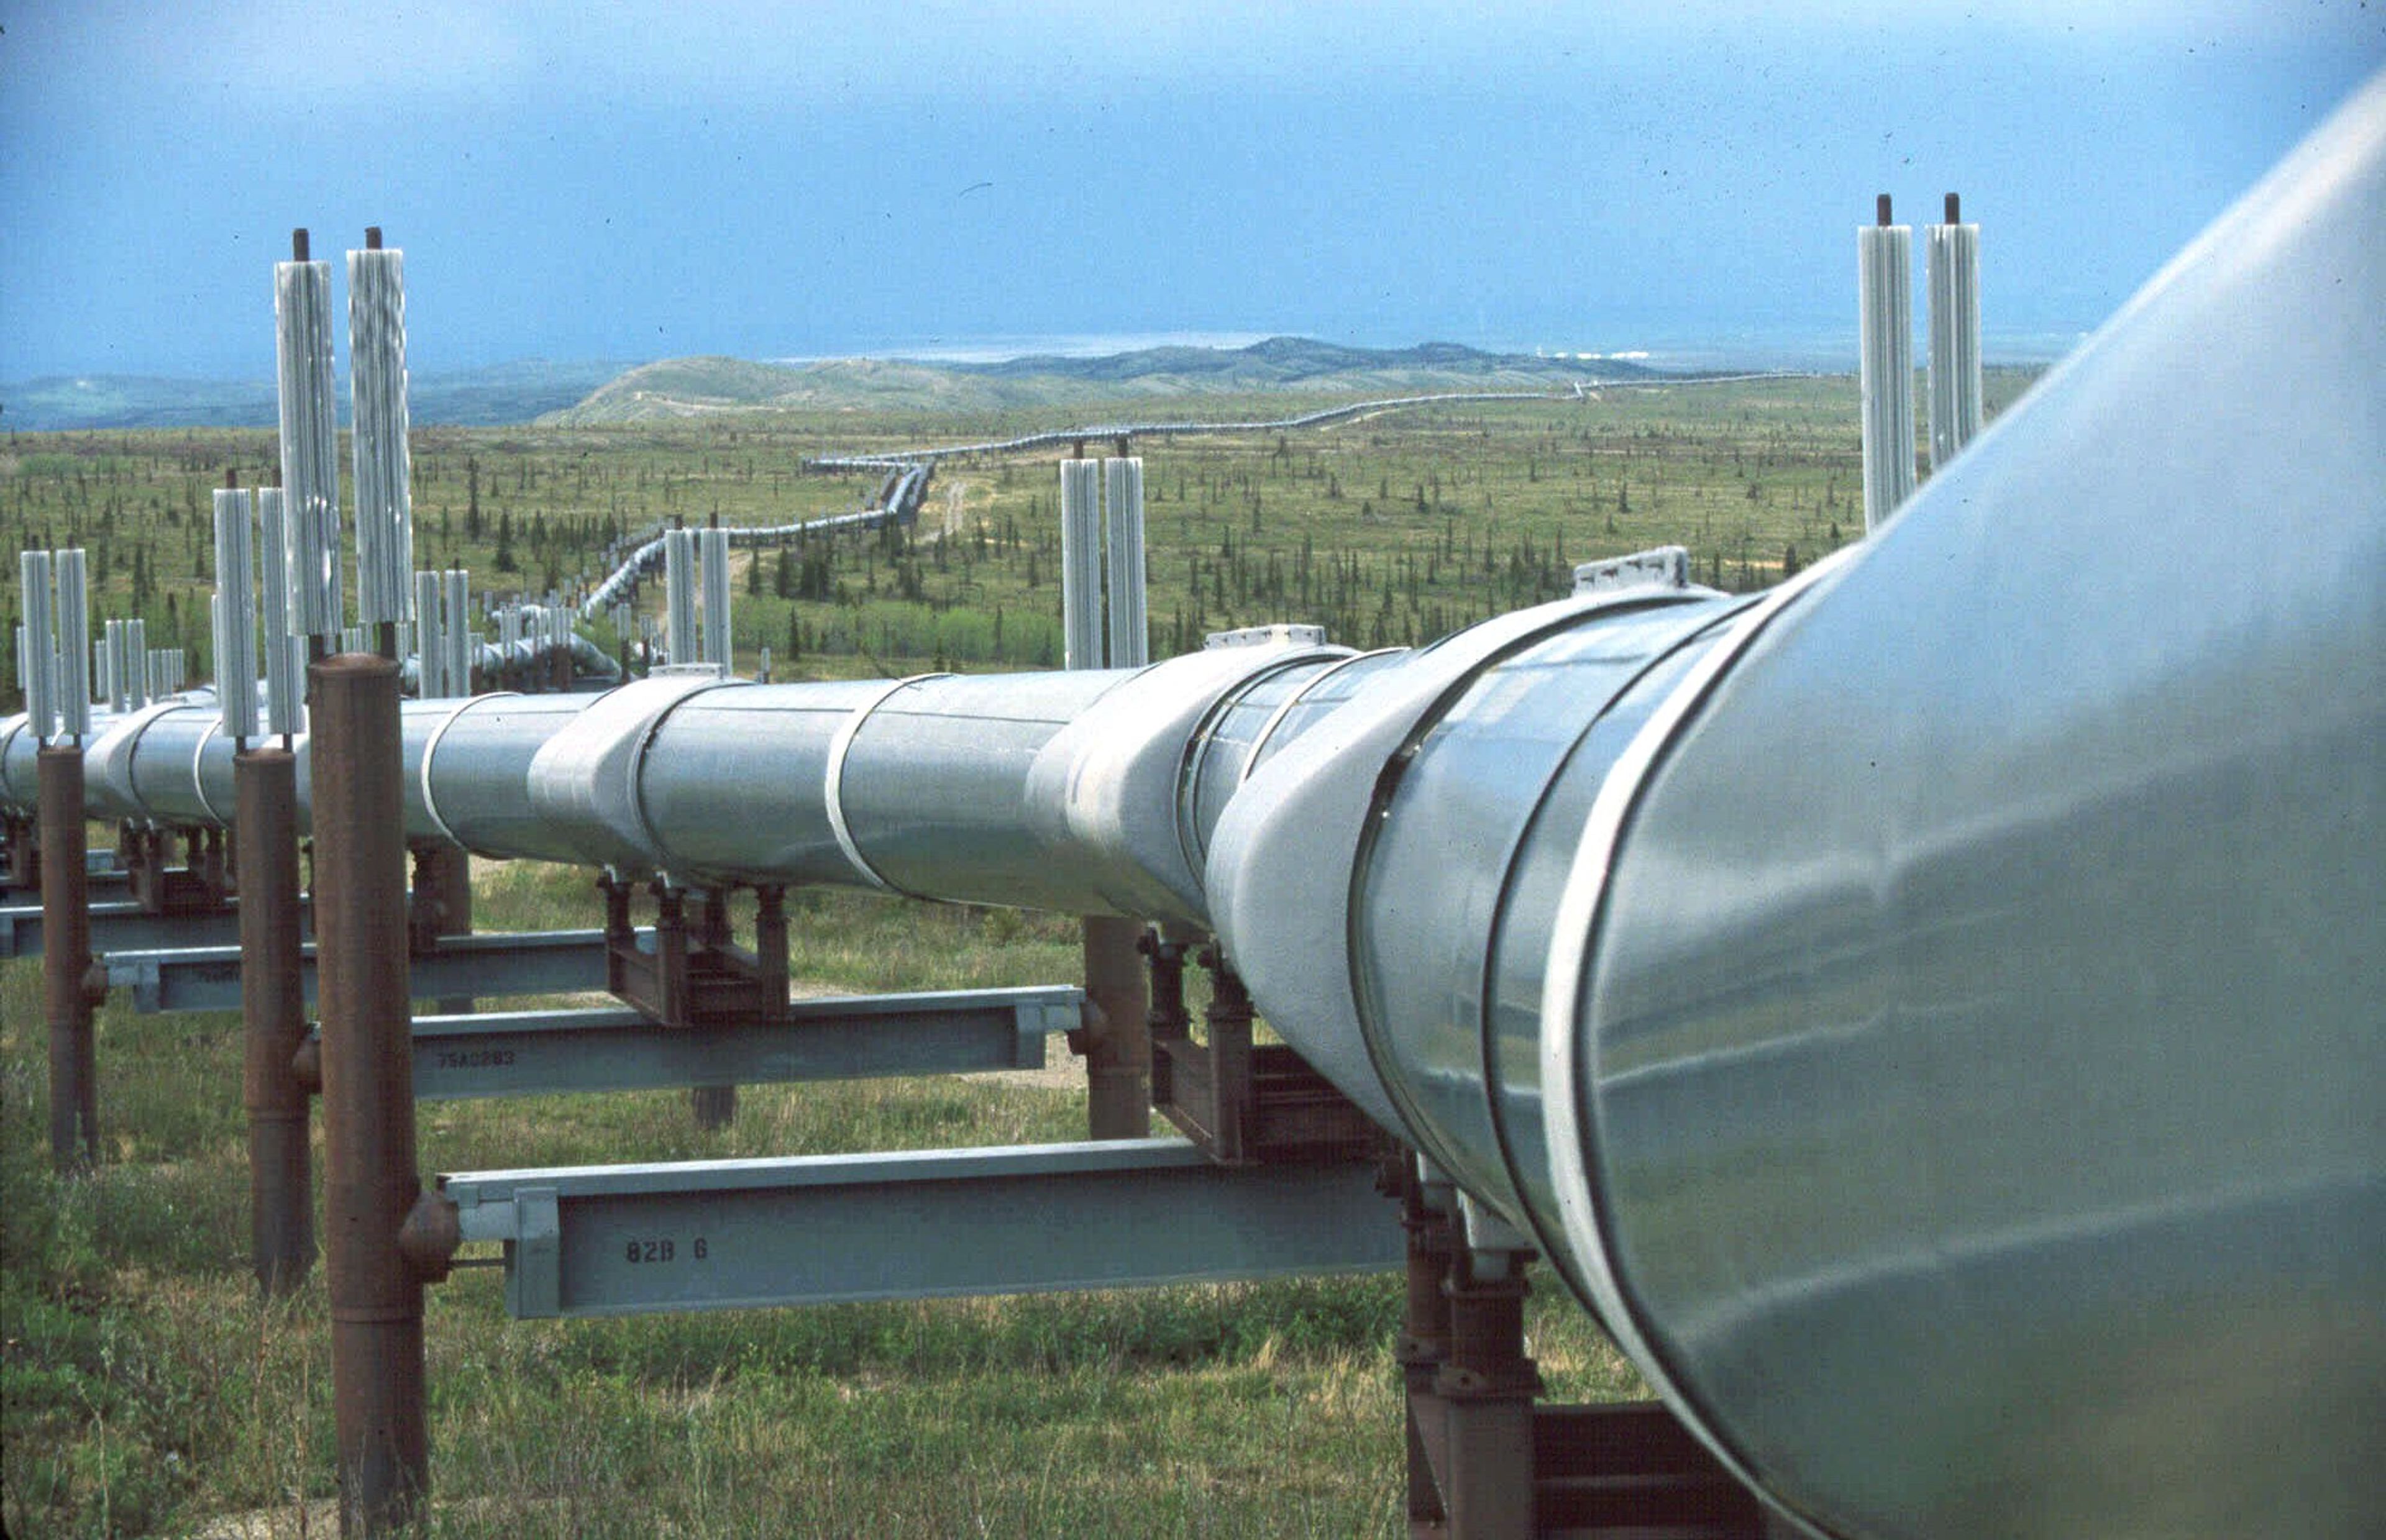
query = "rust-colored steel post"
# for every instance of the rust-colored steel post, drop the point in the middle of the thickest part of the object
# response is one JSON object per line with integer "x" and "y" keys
{"x": 443, "y": 905}
{"x": 66, "y": 957}
{"x": 1118, "y": 1048}
{"x": 273, "y": 1017}
{"x": 370, "y": 1183}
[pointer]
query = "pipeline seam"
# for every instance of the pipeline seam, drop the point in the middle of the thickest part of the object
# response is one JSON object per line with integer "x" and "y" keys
{"x": 654, "y": 724}
{"x": 833, "y": 779}
{"x": 1580, "y": 906}
{"x": 1275, "y": 719}
{"x": 431, "y": 748}
{"x": 1487, "y": 990}
{"x": 1389, "y": 775}
{"x": 136, "y": 727}
{"x": 198, "y": 782}
{"x": 1189, "y": 763}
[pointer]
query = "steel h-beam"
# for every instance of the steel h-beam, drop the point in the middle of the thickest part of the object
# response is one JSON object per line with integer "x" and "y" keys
{"x": 716, "y": 1234}
{"x": 121, "y": 925}
{"x": 620, "y": 1048}
{"x": 492, "y": 963}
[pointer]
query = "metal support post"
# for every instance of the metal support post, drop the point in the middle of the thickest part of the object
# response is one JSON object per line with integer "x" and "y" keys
{"x": 1229, "y": 1022}
{"x": 274, "y": 1018}
{"x": 370, "y": 1184}
{"x": 1425, "y": 1333}
{"x": 66, "y": 958}
{"x": 715, "y": 1106}
{"x": 443, "y": 905}
{"x": 1471, "y": 1461}
{"x": 1483, "y": 1390}
{"x": 1117, "y": 1038}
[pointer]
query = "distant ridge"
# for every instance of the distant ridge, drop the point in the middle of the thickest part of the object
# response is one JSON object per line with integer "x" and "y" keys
{"x": 516, "y": 391}
{"x": 702, "y": 386}
{"x": 595, "y": 393}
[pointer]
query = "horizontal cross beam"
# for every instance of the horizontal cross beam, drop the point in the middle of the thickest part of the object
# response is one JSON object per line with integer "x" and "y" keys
{"x": 493, "y": 964}
{"x": 540, "y": 1052}
{"x": 816, "y": 1230}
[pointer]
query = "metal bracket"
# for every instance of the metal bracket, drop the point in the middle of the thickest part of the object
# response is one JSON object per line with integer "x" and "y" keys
{"x": 687, "y": 974}
{"x": 1240, "y": 1102}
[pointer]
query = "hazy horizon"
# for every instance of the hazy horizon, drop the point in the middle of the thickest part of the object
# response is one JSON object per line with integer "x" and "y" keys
{"x": 639, "y": 183}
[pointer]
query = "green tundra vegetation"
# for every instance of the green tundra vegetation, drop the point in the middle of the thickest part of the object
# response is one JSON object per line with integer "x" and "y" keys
{"x": 144, "y": 1390}
{"x": 1389, "y": 530}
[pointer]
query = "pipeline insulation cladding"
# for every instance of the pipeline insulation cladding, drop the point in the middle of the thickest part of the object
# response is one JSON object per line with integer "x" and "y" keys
{"x": 1081, "y": 563}
{"x": 1130, "y": 635}
{"x": 235, "y": 614}
{"x": 1954, "y": 278}
{"x": 74, "y": 650}
{"x": 310, "y": 441}
{"x": 377, "y": 379}
{"x": 1885, "y": 302}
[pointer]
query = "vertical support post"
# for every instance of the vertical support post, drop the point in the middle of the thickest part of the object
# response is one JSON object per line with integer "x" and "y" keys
{"x": 715, "y": 1106}
{"x": 1425, "y": 1335}
{"x": 273, "y": 1019}
{"x": 443, "y": 903}
{"x": 1118, "y": 1049}
{"x": 670, "y": 954}
{"x": 1229, "y": 1022}
{"x": 66, "y": 957}
{"x": 370, "y": 1179}
{"x": 1885, "y": 303}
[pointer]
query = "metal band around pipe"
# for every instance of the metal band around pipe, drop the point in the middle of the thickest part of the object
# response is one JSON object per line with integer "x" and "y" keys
{"x": 833, "y": 783}
{"x": 430, "y": 748}
{"x": 199, "y": 782}
{"x": 1578, "y": 913}
{"x": 1275, "y": 717}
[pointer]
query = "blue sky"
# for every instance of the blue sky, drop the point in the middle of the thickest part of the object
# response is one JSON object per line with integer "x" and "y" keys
{"x": 638, "y": 181}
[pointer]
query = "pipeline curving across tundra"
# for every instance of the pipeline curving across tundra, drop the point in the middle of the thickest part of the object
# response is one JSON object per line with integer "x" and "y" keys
{"x": 1930, "y": 1013}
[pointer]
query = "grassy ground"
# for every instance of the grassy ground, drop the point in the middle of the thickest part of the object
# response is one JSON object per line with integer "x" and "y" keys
{"x": 148, "y": 1392}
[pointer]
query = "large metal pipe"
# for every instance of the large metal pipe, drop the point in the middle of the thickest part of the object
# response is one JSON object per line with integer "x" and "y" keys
{"x": 273, "y": 1020}
{"x": 370, "y": 1183}
{"x": 1924, "y": 1011}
